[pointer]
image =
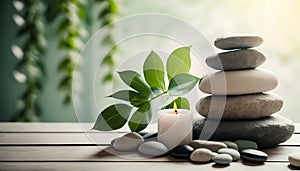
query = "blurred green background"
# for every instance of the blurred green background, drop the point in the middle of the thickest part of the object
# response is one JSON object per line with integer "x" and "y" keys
{"x": 276, "y": 21}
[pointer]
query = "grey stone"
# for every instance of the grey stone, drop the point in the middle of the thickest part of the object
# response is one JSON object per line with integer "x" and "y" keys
{"x": 211, "y": 145}
{"x": 222, "y": 159}
{"x": 201, "y": 155}
{"x": 238, "y": 42}
{"x": 231, "y": 145}
{"x": 128, "y": 142}
{"x": 294, "y": 159}
{"x": 236, "y": 60}
{"x": 254, "y": 155}
{"x": 150, "y": 137}
{"x": 267, "y": 132}
{"x": 241, "y": 107}
{"x": 246, "y": 144}
{"x": 182, "y": 152}
{"x": 153, "y": 148}
{"x": 234, "y": 153}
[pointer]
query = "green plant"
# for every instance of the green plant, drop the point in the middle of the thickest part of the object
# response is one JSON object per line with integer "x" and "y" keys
{"x": 143, "y": 93}
{"x": 29, "y": 69}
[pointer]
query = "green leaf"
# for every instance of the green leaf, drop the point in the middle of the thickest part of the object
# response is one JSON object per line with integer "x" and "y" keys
{"x": 154, "y": 71}
{"x": 140, "y": 119}
{"x": 181, "y": 102}
{"x": 134, "y": 80}
{"x": 181, "y": 84}
{"x": 125, "y": 95}
{"x": 113, "y": 117}
{"x": 179, "y": 62}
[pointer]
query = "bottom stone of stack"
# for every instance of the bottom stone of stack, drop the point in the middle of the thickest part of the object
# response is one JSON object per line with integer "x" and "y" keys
{"x": 267, "y": 132}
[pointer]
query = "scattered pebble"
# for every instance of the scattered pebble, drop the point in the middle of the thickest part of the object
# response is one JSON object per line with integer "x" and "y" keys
{"x": 150, "y": 137}
{"x": 223, "y": 159}
{"x": 232, "y": 152}
{"x": 231, "y": 144}
{"x": 211, "y": 145}
{"x": 246, "y": 144}
{"x": 128, "y": 142}
{"x": 295, "y": 160}
{"x": 254, "y": 155}
{"x": 153, "y": 148}
{"x": 201, "y": 155}
{"x": 182, "y": 152}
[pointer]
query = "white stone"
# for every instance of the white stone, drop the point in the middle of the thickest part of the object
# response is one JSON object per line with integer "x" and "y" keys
{"x": 201, "y": 155}
{"x": 128, "y": 142}
{"x": 295, "y": 159}
{"x": 239, "y": 82}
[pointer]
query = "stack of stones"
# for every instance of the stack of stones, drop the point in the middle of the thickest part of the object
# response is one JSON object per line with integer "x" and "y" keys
{"x": 248, "y": 111}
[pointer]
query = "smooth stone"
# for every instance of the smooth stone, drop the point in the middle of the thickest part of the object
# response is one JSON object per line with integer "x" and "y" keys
{"x": 143, "y": 133}
{"x": 294, "y": 160}
{"x": 223, "y": 159}
{"x": 240, "y": 107}
{"x": 246, "y": 144}
{"x": 231, "y": 145}
{"x": 254, "y": 155}
{"x": 238, "y": 42}
{"x": 236, "y": 60}
{"x": 239, "y": 82}
{"x": 266, "y": 132}
{"x": 234, "y": 153}
{"x": 201, "y": 155}
{"x": 113, "y": 141}
{"x": 150, "y": 137}
{"x": 182, "y": 152}
{"x": 153, "y": 148}
{"x": 211, "y": 145}
{"x": 128, "y": 142}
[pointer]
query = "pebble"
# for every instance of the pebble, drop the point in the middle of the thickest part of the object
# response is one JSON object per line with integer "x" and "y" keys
{"x": 153, "y": 148}
{"x": 222, "y": 159}
{"x": 182, "y": 152}
{"x": 266, "y": 132}
{"x": 294, "y": 160}
{"x": 236, "y": 60}
{"x": 128, "y": 142}
{"x": 251, "y": 106}
{"x": 239, "y": 82}
{"x": 238, "y": 42}
{"x": 150, "y": 137}
{"x": 246, "y": 144}
{"x": 201, "y": 155}
{"x": 234, "y": 153}
{"x": 231, "y": 145}
{"x": 211, "y": 145}
{"x": 254, "y": 155}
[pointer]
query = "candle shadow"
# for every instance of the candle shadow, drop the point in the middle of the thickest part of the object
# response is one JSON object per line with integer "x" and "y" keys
{"x": 293, "y": 167}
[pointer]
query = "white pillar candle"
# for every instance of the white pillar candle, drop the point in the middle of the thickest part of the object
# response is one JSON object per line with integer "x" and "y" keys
{"x": 175, "y": 129}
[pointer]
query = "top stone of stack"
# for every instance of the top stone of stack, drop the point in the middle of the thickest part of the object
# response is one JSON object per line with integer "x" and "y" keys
{"x": 238, "y": 42}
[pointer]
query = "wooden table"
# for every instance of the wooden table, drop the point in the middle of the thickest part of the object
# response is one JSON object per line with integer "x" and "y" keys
{"x": 65, "y": 146}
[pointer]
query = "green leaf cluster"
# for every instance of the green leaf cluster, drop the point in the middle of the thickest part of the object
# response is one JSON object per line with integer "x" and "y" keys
{"x": 147, "y": 88}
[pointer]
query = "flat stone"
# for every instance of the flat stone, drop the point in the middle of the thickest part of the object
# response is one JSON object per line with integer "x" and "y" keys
{"x": 231, "y": 145}
{"x": 211, "y": 145}
{"x": 240, "y": 107}
{"x": 236, "y": 60}
{"x": 239, "y": 82}
{"x": 294, "y": 160}
{"x": 222, "y": 159}
{"x": 238, "y": 42}
{"x": 150, "y": 137}
{"x": 254, "y": 155}
{"x": 201, "y": 155}
{"x": 234, "y": 153}
{"x": 153, "y": 148}
{"x": 246, "y": 144}
{"x": 182, "y": 152}
{"x": 267, "y": 132}
{"x": 128, "y": 142}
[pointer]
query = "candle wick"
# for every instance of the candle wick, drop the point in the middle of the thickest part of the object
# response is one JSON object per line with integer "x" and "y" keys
{"x": 176, "y": 111}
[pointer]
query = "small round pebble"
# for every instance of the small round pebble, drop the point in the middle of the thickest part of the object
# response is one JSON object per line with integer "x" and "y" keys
{"x": 246, "y": 144}
{"x": 182, "y": 152}
{"x": 238, "y": 42}
{"x": 232, "y": 152}
{"x": 128, "y": 142}
{"x": 231, "y": 144}
{"x": 223, "y": 159}
{"x": 201, "y": 155}
{"x": 254, "y": 155}
{"x": 153, "y": 148}
{"x": 211, "y": 145}
{"x": 294, "y": 160}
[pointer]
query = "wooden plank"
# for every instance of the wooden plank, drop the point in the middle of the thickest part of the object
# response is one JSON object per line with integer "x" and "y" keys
{"x": 138, "y": 166}
{"x": 79, "y": 138}
{"x": 103, "y": 153}
{"x": 297, "y": 128}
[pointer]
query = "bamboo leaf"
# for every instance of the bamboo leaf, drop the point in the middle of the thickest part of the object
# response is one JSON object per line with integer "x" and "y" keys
{"x": 113, "y": 117}
{"x": 154, "y": 71}
{"x": 178, "y": 62}
{"x": 181, "y": 84}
